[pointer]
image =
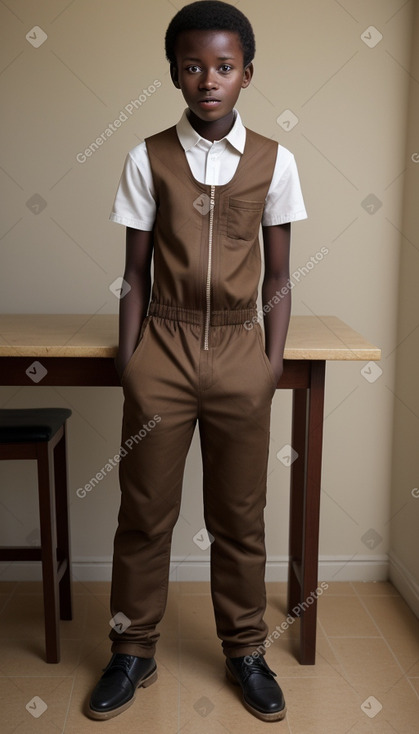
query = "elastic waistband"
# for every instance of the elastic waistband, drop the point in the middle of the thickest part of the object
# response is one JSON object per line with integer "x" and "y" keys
{"x": 191, "y": 316}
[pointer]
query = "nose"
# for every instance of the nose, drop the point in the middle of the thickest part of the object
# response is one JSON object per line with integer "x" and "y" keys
{"x": 208, "y": 80}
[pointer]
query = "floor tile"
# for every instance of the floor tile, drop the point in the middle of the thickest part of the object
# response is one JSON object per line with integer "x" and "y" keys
{"x": 399, "y": 626}
{"x": 29, "y": 587}
{"x": 401, "y": 707}
{"x": 365, "y": 680}
{"x": 194, "y": 587}
{"x": 367, "y": 664}
{"x": 4, "y": 599}
{"x": 276, "y": 587}
{"x": 34, "y": 704}
{"x": 7, "y": 587}
{"x": 283, "y": 658}
{"x": 393, "y": 616}
{"x": 196, "y": 617}
{"x": 374, "y": 588}
{"x": 344, "y": 616}
{"x": 319, "y": 705}
{"x": 23, "y": 616}
{"x": 27, "y": 657}
{"x": 276, "y": 616}
{"x": 222, "y": 711}
{"x": 92, "y": 587}
{"x": 339, "y": 588}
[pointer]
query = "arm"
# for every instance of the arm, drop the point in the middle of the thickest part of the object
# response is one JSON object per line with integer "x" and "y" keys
{"x": 276, "y": 241}
{"x": 133, "y": 306}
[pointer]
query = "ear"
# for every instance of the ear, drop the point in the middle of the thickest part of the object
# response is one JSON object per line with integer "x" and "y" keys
{"x": 247, "y": 75}
{"x": 174, "y": 75}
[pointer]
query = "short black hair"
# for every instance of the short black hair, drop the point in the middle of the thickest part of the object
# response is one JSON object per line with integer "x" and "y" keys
{"x": 210, "y": 15}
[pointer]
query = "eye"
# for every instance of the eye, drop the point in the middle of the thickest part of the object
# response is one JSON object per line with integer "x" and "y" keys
{"x": 225, "y": 68}
{"x": 193, "y": 69}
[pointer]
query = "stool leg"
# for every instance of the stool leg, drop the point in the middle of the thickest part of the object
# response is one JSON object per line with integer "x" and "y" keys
{"x": 45, "y": 462}
{"x": 63, "y": 530}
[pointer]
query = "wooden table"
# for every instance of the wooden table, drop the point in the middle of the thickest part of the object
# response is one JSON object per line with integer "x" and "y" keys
{"x": 79, "y": 349}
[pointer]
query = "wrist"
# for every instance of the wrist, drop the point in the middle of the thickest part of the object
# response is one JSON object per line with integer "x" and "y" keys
{"x": 120, "y": 362}
{"x": 277, "y": 365}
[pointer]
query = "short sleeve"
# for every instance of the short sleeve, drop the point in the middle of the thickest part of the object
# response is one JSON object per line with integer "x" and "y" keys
{"x": 284, "y": 201}
{"x": 134, "y": 204}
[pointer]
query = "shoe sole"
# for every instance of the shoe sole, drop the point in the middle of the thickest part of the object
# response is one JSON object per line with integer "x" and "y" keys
{"x": 275, "y": 716}
{"x": 104, "y": 715}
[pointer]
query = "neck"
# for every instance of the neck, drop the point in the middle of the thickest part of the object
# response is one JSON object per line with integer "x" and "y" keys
{"x": 212, "y": 130}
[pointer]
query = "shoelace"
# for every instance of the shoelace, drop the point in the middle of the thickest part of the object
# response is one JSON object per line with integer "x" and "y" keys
{"x": 123, "y": 662}
{"x": 258, "y": 665}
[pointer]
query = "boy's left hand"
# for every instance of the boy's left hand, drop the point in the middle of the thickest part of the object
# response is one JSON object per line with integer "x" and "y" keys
{"x": 277, "y": 367}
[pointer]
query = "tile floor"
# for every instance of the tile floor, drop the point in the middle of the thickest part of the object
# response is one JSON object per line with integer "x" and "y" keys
{"x": 368, "y": 651}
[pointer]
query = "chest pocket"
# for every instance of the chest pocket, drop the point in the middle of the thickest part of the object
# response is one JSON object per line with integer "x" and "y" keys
{"x": 243, "y": 219}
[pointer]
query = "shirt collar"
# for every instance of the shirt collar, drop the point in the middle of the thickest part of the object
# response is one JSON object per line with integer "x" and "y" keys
{"x": 188, "y": 137}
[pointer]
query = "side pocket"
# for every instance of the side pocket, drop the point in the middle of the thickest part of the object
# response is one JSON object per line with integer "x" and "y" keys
{"x": 143, "y": 331}
{"x": 265, "y": 358}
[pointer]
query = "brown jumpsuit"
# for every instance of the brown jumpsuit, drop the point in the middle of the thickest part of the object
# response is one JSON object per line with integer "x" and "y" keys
{"x": 197, "y": 359}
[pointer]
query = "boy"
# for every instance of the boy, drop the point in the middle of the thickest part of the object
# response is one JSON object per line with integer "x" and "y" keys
{"x": 196, "y": 195}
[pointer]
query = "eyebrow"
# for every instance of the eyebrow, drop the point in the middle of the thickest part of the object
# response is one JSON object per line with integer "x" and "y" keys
{"x": 220, "y": 58}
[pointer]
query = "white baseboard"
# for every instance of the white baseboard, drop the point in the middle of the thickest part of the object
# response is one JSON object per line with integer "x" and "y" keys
{"x": 404, "y": 582}
{"x": 336, "y": 568}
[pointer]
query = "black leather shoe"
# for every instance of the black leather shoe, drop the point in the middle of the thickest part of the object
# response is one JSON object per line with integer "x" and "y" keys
{"x": 262, "y": 695}
{"x": 115, "y": 691}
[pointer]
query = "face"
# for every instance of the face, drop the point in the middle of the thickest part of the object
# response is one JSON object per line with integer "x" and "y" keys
{"x": 210, "y": 72}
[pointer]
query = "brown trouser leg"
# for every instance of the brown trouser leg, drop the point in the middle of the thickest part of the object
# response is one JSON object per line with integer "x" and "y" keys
{"x": 234, "y": 430}
{"x": 229, "y": 389}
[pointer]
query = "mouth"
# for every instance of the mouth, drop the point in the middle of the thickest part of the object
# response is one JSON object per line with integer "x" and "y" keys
{"x": 209, "y": 102}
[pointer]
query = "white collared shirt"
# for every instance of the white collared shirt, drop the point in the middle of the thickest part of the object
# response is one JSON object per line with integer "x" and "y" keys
{"x": 212, "y": 163}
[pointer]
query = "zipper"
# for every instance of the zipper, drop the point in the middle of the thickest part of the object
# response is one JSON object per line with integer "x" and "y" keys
{"x": 208, "y": 283}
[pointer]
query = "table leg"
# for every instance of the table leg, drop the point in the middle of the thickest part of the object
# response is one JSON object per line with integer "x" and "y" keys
{"x": 307, "y": 436}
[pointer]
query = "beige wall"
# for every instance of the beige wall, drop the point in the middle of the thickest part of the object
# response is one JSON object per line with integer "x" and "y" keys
{"x": 351, "y": 103}
{"x": 404, "y": 540}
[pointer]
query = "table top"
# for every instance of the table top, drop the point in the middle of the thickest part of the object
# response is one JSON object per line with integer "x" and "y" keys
{"x": 96, "y": 335}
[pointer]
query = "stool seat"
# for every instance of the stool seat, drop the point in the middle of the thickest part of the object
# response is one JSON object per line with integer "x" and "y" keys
{"x": 31, "y": 424}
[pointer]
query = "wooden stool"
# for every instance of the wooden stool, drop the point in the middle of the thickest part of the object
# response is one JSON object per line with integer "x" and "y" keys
{"x": 39, "y": 434}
